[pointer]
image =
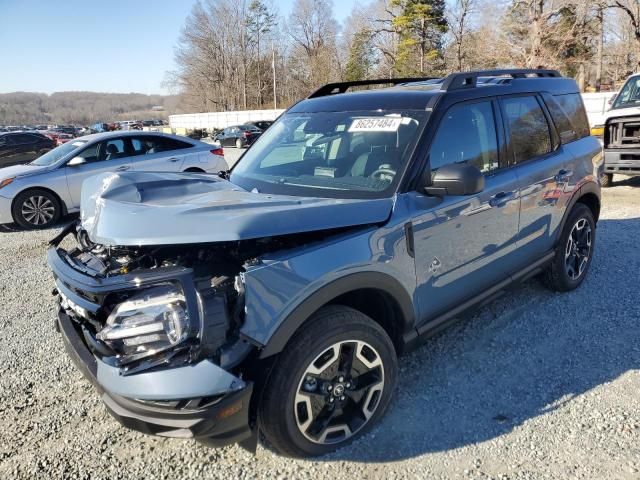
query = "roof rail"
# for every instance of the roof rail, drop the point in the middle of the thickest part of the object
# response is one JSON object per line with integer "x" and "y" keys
{"x": 457, "y": 81}
{"x": 341, "y": 87}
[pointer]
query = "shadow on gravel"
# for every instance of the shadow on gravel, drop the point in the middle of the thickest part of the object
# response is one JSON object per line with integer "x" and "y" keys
{"x": 15, "y": 228}
{"x": 520, "y": 357}
{"x": 627, "y": 182}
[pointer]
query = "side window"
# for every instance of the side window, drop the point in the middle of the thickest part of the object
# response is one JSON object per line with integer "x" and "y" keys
{"x": 467, "y": 134}
{"x": 113, "y": 149}
{"x": 530, "y": 136}
{"x": 172, "y": 144}
{"x": 574, "y": 109}
{"x": 90, "y": 154}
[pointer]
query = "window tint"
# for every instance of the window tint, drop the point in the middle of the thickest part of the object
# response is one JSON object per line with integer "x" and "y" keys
{"x": 23, "y": 138}
{"x": 466, "y": 134}
{"x": 528, "y": 127}
{"x": 172, "y": 144}
{"x": 573, "y": 107}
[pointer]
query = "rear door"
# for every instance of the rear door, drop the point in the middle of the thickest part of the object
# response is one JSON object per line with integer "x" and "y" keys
{"x": 546, "y": 173}
{"x": 8, "y": 151}
{"x": 106, "y": 156}
{"x": 159, "y": 154}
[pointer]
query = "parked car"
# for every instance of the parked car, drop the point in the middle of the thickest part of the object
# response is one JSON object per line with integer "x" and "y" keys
{"x": 63, "y": 138}
{"x": 238, "y": 136}
{"x": 261, "y": 124}
{"x": 278, "y": 297}
{"x": 620, "y": 133}
{"x": 37, "y": 194}
{"x": 99, "y": 127}
{"x": 22, "y": 147}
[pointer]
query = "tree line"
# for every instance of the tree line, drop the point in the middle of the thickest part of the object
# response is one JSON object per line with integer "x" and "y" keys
{"x": 243, "y": 54}
{"x": 83, "y": 108}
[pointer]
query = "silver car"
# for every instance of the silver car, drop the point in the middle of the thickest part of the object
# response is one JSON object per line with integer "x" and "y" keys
{"x": 37, "y": 194}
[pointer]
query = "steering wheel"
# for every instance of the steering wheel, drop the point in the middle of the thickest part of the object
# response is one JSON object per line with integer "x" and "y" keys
{"x": 384, "y": 172}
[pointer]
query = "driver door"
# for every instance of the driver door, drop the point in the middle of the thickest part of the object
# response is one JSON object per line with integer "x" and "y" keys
{"x": 106, "y": 156}
{"x": 465, "y": 244}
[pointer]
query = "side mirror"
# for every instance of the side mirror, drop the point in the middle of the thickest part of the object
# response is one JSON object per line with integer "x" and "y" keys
{"x": 456, "y": 179}
{"x": 76, "y": 161}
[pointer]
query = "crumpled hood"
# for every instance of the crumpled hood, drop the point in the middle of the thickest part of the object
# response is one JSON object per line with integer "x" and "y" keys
{"x": 20, "y": 171}
{"x": 145, "y": 208}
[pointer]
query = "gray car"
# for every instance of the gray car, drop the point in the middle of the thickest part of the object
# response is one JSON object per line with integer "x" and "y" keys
{"x": 37, "y": 194}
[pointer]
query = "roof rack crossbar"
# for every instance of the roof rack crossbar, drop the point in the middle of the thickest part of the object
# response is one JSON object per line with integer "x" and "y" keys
{"x": 341, "y": 87}
{"x": 457, "y": 81}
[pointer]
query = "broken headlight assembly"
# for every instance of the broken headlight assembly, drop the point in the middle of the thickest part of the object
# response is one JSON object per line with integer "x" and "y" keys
{"x": 147, "y": 323}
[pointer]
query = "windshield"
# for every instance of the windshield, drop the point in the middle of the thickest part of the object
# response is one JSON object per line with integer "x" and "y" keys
{"x": 52, "y": 156}
{"x": 331, "y": 154}
{"x": 629, "y": 96}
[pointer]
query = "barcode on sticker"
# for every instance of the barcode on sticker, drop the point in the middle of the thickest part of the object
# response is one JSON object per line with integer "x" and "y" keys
{"x": 375, "y": 124}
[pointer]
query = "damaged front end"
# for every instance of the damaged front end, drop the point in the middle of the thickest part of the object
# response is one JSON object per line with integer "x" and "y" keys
{"x": 157, "y": 330}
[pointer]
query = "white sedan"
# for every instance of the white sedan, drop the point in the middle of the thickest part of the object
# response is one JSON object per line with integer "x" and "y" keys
{"x": 37, "y": 194}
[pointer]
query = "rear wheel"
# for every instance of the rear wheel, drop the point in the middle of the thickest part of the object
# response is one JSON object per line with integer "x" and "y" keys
{"x": 36, "y": 208}
{"x": 333, "y": 381}
{"x": 606, "y": 180}
{"x": 574, "y": 251}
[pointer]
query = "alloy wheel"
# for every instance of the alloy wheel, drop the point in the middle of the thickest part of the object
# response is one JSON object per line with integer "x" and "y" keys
{"x": 578, "y": 249}
{"x": 339, "y": 392}
{"x": 38, "y": 210}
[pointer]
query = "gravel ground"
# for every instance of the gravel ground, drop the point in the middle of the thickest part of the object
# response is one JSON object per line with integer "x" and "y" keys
{"x": 536, "y": 385}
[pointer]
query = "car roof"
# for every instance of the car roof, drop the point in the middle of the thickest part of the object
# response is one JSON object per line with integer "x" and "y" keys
{"x": 131, "y": 133}
{"x": 421, "y": 95}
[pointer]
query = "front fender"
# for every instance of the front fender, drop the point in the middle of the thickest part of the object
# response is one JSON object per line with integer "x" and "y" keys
{"x": 282, "y": 293}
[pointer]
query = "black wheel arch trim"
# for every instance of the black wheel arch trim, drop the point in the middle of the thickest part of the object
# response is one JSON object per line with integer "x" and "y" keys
{"x": 588, "y": 188}
{"x": 327, "y": 293}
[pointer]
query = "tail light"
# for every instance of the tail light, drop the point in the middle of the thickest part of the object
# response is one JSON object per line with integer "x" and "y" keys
{"x": 247, "y": 134}
{"x": 218, "y": 151}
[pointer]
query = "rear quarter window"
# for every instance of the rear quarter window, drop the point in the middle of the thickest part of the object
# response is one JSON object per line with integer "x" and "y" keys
{"x": 574, "y": 111}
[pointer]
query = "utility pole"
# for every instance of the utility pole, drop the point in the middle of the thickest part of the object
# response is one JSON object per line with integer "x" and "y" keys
{"x": 273, "y": 68}
{"x": 600, "y": 43}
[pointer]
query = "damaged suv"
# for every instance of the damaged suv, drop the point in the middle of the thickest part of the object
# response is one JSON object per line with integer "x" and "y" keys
{"x": 278, "y": 296}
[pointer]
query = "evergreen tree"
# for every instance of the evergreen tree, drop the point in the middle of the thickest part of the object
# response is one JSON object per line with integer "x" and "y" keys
{"x": 421, "y": 25}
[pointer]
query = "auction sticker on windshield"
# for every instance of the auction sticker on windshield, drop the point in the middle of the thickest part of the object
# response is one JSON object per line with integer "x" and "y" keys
{"x": 376, "y": 124}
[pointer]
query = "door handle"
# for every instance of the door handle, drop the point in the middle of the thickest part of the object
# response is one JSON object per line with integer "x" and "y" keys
{"x": 500, "y": 199}
{"x": 122, "y": 168}
{"x": 563, "y": 175}
{"x": 173, "y": 159}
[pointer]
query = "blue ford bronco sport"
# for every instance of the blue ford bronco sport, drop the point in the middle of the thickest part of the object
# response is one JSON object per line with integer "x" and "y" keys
{"x": 278, "y": 296}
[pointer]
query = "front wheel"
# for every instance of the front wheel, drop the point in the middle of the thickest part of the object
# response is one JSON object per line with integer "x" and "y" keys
{"x": 574, "y": 251}
{"x": 35, "y": 209}
{"x": 238, "y": 143}
{"x": 332, "y": 382}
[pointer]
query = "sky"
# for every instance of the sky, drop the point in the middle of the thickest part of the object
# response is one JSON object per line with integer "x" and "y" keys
{"x": 96, "y": 45}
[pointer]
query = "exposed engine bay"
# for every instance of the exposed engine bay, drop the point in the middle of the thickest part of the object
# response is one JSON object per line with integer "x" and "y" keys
{"x": 163, "y": 305}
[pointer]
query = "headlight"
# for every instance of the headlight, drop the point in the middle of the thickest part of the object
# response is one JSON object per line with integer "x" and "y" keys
{"x": 6, "y": 182}
{"x": 150, "y": 322}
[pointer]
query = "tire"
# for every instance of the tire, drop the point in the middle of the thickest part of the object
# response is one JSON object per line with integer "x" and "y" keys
{"x": 44, "y": 205}
{"x": 606, "y": 180}
{"x": 315, "y": 360}
{"x": 238, "y": 143}
{"x": 574, "y": 251}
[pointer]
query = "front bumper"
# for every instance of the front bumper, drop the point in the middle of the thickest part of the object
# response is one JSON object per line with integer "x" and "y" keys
{"x": 156, "y": 404}
{"x": 5, "y": 210}
{"x": 624, "y": 162}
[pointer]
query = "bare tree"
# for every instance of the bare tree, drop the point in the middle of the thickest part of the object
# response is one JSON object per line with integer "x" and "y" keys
{"x": 459, "y": 19}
